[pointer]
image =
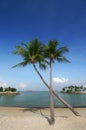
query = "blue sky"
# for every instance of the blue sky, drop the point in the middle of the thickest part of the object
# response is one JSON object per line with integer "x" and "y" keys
{"x": 24, "y": 20}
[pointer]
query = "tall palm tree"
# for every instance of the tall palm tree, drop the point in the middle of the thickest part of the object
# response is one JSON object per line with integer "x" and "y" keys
{"x": 32, "y": 53}
{"x": 52, "y": 54}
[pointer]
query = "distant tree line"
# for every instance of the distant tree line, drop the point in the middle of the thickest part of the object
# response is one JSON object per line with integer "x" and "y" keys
{"x": 72, "y": 89}
{"x": 7, "y": 89}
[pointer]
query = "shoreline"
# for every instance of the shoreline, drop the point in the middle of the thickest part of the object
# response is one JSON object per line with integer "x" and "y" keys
{"x": 9, "y": 93}
{"x": 61, "y": 111}
{"x": 38, "y": 107}
{"x": 84, "y": 92}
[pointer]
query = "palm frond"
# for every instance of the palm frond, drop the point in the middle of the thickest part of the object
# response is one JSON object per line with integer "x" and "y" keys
{"x": 25, "y": 45}
{"x": 20, "y": 51}
{"x": 54, "y": 53}
{"x": 32, "y": 52}
{"x": 63, "y": 49}
{"x": 62, "y": 59}
{"x": 22, "y": 64}
{"x": 51, "y": 49}
{"x": 37, "y": 46}
{"x": 42, "y": 66}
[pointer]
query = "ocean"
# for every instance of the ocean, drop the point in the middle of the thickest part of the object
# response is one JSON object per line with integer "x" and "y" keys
{"x": 40, "y": 99}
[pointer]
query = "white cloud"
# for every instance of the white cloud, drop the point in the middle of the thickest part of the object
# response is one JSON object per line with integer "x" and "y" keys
{"x": 21, "y": 86}
{"x": 3, "y": 84}
{"x": 84, "y": 85}
{"x": 59, "y": 80}
{"x": 18, "y": 86}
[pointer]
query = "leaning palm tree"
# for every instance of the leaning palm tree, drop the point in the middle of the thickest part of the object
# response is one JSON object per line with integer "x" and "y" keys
{"x": 33, "y": 53}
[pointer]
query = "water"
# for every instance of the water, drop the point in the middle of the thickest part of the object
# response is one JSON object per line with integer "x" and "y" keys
{"x": 41, "y": 99}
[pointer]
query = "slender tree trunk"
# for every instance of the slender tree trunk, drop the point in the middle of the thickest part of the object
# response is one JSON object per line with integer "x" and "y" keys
{"x": 56, "y": 94}
{"x": 51, "y": 97}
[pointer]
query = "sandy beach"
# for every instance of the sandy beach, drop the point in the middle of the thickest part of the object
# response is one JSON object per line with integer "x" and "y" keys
{"x": 37, "y": 119}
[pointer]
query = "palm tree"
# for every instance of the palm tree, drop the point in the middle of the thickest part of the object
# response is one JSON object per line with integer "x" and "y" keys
{"x": 32, "y": 53}
{"x": 52, "y": 54}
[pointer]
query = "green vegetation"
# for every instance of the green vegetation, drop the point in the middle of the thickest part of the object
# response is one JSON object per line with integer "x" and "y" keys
{"x": 1, "y": 89}
{"x": 73, "y": 89}
{"x": 7, "y": 89}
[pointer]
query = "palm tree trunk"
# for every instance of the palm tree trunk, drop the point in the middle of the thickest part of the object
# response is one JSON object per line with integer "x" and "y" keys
{"x": 57, "y": 95}
{"x": 51, "y": 97}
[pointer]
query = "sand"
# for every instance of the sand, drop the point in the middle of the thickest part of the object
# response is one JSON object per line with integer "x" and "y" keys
{"x": 36, "y": 119}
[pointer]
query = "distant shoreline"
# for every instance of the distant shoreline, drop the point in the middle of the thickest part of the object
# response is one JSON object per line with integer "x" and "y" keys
{"x": 84, "y": 92}
{"x": 9, "y": 93}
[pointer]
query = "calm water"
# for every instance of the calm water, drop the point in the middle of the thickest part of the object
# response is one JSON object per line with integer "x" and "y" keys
{"x": 41, "y": 99}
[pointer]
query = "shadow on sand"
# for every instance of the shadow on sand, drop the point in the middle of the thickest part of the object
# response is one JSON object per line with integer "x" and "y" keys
{"x": 39, "y": 111}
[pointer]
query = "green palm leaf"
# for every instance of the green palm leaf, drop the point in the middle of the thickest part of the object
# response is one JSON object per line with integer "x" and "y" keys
{"x": 52, "y": 52}
{"x": 32, "y": 52}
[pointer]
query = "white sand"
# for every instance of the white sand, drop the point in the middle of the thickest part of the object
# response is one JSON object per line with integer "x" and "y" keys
{"x": 27, "y": 119}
